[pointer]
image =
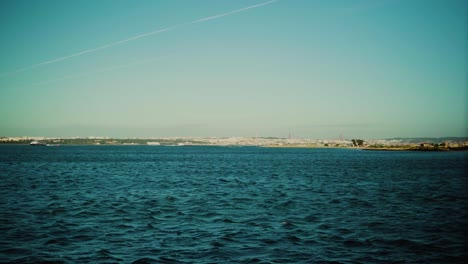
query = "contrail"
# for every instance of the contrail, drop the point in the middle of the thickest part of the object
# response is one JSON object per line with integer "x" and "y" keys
{"x": 155, "y": 32}
{"x": 88, "y": 51}
{"x": 231, "y": 12}
{"x": 100, "y": 70}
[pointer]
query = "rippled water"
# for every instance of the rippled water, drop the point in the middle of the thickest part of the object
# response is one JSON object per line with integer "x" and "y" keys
{"x": 145, "y": 204}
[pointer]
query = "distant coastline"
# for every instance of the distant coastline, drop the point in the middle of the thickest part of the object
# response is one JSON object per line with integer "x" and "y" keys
{"x": 413, "y": 148}
{"x": 394, "y": 144}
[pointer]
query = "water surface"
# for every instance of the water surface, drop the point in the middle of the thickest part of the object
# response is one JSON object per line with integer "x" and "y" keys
{"x": 152, "y": 204}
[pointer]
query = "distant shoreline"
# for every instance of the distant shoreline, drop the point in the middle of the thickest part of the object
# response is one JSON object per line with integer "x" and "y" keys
{"x": 419, "y": 149}
{"x": 419, "y": 144}
{"x": 310, "y": 146}
{"x": 394, "y": 149}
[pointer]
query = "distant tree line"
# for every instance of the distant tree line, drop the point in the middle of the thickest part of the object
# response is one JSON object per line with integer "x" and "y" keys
{"x": 357, "y": 142}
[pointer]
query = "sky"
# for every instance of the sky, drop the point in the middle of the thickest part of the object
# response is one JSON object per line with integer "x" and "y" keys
{"x": 310, "y": 68}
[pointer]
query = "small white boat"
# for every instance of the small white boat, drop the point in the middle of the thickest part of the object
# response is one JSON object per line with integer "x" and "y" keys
{"x": 37, "y": 143}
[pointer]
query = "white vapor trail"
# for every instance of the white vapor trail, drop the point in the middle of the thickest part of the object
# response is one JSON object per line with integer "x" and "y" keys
{"x": 231, "y": 12}
{"x": 100, "y": 70}
{"x": 155, "y": 32}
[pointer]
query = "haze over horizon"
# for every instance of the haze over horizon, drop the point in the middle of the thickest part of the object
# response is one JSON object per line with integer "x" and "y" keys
{"x": 316, "y": 69}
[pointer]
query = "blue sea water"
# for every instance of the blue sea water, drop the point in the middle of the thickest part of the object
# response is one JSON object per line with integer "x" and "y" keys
{"x": 151, "y": 204}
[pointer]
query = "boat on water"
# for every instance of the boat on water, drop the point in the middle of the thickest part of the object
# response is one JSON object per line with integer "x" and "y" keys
{"x": 37, "y": 143}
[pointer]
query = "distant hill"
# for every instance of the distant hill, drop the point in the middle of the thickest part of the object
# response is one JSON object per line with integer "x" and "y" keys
{"x": 430, "y": 139}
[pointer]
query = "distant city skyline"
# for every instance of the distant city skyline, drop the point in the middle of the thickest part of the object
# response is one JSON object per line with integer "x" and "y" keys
{"x": 314, "y": 69}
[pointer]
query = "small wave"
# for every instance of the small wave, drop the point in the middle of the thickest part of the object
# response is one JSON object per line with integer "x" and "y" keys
{"x": 216, "y": 244}
{"x": 36, "y": 260}
{"x": 82, "y": 237}
{"x": 107, "y": 256}
{"x": 324, "y": 226}
{"x": 293, "y": 238}
{"x": 16, "y": 251}
{"x": 58, "y": 241}
{"x": 171, "y": 198}
{"x": 269, "y": 241}
{"x": 227, "y": 220}
{"x": 286, "y": 205}
{"x": 146, "y": 261}
{"x": 124, "y": 226}
{"x": 252, "y": 260}
{"x": 354, "y": 243}
{"x": 405, "y": 244}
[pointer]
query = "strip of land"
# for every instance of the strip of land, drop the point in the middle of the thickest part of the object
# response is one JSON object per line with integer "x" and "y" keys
{"x": 397, "y": 144}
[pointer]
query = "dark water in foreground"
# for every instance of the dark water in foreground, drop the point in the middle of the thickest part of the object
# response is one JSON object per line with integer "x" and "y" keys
{"x": 143, "y": 204}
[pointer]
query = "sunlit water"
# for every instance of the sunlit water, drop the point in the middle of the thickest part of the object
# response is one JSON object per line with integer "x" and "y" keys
{"x": 150, "y": 204}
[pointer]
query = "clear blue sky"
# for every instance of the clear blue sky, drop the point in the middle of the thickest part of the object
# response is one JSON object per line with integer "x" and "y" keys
{"x": 315, "y": 69}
